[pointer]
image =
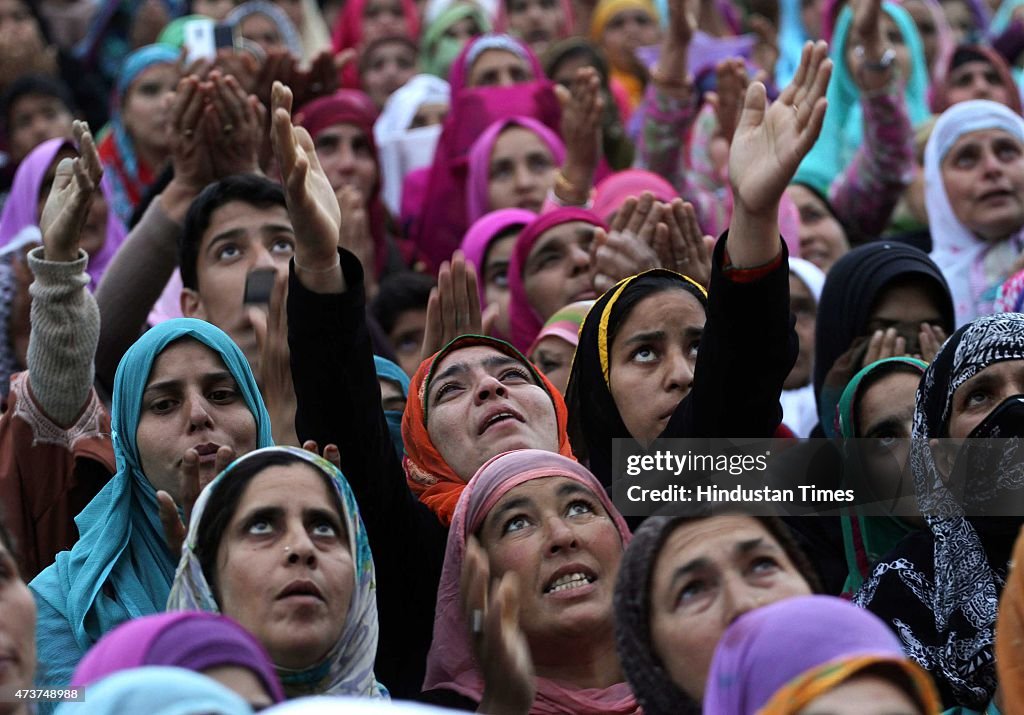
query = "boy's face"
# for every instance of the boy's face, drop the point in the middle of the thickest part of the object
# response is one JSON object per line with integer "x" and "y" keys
{"x": 240, "y": 238}
{"x": 35, "y": 118}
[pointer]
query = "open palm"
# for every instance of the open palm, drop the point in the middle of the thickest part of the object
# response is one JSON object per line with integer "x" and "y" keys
{"x": 67, "y": 206}
{"x": 771, "y": 140}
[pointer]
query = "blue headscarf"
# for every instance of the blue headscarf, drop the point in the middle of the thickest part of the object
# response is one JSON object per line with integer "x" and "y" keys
{"x": 843, "y": 131}
{"x": 387, "y": 370}
{"x": 121, "y": 567}
{"x": 157, "y": 690}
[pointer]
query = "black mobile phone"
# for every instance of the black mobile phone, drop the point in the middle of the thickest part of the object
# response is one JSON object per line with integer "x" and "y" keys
{"x": 259, "y": 285}
{"x": 224, "y": 37}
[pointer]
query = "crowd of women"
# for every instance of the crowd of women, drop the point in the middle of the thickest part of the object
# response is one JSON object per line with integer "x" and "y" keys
{"x": 319, "y": 323}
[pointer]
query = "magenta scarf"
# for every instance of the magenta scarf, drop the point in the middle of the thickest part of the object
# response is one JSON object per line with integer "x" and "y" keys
{"x": 186, "y": 639}
{"x": 478, "y": 201}
{"x": 482, "y": 233}
{"x": 20, "y": 210}
{"x": 450, "y": 663}
{"x": 523, "y": 321}
{"x": 612, "y": 192}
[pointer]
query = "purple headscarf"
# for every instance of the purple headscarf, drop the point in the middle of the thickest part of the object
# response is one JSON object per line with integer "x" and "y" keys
{"x": 482, "y": 233}
{"x": 185, "y": 639}
{"x": 478, "y": 201}
{"x": 22, "y": 206}
{"x": 770, "y": 646}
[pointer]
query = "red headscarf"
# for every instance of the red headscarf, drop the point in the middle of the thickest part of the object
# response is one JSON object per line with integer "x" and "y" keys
{"x": 348, "y": 33}
{"x": 967, "y": 53}
{"x": 428, "y": 474}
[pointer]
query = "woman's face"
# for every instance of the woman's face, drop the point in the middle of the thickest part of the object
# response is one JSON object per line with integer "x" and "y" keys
{"x": 982, "y": 393}
{"x": 390, "y": 65}
{"x": 18, "y": 25}
{"x": 960, "y": 21}
{"x": 17, "y": 627}
{"x": 284, "y": 565}
{"x": 822, "y": 239}
{"x": 885, "y": 417}
{"x": 499, "y": 68}
{"x": 146, "y": 107}
{"x": 805, "y": 308}
{"x": 653, "y": 356}
{"x": 391, "y": 397}
{"x": 625, "y": 32}
{"x": 983, "y": 174}
{"x": 521, "y": 172}
{"x": 538, "y": 23}
{"x": 242, "y": 681}
{"x": 975, "y": 80}
{"x": 295, "y": 12}
{"x": 429, "y": 114}
{"x": 554, "y": 358}
{"x": 213, "y": 9}
{"x": 905, "y": 305}
{"x": 347, "y": 158}
{"x": 557, "y": 270}
{"x": 555, "y": 535}
{"x": 496, "y": 276}
{"x": 191, "y": 401}
{"x": 863, "y": 695}
{"x": 463, "y": 30}
{"x": 892, "y": 33}
{"x": 709, "y": 573}
{"x": 261, "y": 29}
{"x": 925, "y": 28}
{"x": 383, "y": 18}
{"x": 481, "y": 403}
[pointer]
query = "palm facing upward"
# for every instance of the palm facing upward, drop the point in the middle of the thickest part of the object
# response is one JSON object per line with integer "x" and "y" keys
{"x": 67, "y": 206}
{"x": 771, "y": 140}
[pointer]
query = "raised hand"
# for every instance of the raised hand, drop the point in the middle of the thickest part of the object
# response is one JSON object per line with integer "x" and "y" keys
{"x": 931, "y": 339}
{"x": 193, "y": 166}
{"x": 628, "y": 247}
{"x": 771, "y": 141}
{"x": 235, "y": 126}
{"x": 684, "y": 248}
{"x": 193, "y": 480}
{"x": 330, "y": 453}
{"x": 453, "y": 308}
{"x": 867, "y": 47}
{"x": 355, "y": 233}
{"x": 671, "y": 73}
{"x": 582, "y": 107}
{"x": 71, "y": 195}
{"x": 312, "y": 205}
{"x": 500, "y": 647}
{"x": 275, "y": 373}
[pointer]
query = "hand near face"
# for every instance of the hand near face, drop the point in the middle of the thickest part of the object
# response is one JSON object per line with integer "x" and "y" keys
{"x": 330, "y": 453}
{"x": 771, "y": 141}
{"x": 628, "y": 247}
{"x": 931, "y": 339}
{"x": 355, "y": 232}
{"x": 454, "y": 306}
{"x": 684, "y": 248}
{"x": 582, "y": 107}
{"x": 193, "y": 481}
{"x": 67, "y": 206}
{"x": 500, "y": 647}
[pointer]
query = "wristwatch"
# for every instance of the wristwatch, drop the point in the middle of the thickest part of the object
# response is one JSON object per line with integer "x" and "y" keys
{"x": 884, "y": 62}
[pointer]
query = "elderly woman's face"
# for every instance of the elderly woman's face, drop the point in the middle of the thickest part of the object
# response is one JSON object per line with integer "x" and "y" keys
{"x": 17, "y": 627}
{"x": 555, "y": 535}
{"x": 709, "y": 573}
{"x": 983, "y": 174}
{"x": 284, "y": 565}
{"x": 499, "y": 68}
{"x": 653, "y": 356}
{"x": 146, "y": 107}
{"x": 521, "y": 171}
{"x": 482, "y": 403}
{"x": 557, "y": 270}
{"x": 191, "y": 401}
{"x": 982, "y": 393}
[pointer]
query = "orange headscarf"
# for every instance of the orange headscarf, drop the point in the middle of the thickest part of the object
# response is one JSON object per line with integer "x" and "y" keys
{"x": 428, "y": 474}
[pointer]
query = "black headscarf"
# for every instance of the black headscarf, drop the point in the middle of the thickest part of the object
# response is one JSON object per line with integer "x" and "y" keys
{"x": 939, "y": 589}
{"x": 594, "y": 419}
{"x": 851, "y": 289}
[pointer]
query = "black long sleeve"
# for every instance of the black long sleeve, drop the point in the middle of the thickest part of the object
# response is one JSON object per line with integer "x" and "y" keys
{"x": 338, "y": 401}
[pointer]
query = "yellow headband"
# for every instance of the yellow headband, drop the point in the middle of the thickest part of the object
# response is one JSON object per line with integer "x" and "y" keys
{"x": 607, "y": 9}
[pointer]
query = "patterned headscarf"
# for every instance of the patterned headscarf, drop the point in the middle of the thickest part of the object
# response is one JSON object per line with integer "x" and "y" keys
{"x": 427, "y": 473}
{"x": 348, "y": 667}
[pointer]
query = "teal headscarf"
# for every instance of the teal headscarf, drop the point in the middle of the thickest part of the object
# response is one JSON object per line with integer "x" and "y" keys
{"x": 348, "y": 667}
{"x": 843, "y": 131}
{"x": 387, "y": 370}
{"x": 121, "y": 567}
{"x": 157, "y": 690}
{"x": 867, "y": 538}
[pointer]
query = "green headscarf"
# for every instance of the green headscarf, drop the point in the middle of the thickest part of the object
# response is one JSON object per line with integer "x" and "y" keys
{"x": 437, "y": 51}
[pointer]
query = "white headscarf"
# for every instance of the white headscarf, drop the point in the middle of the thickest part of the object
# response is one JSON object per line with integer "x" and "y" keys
{"x": 400, "y": 148}
{"x": 974, "y": 268}
{"x": 799, "y": 408}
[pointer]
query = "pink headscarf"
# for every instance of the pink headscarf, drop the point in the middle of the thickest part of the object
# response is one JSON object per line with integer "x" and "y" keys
{"x": 439, "y": 228}
{"x": 611, "y": 193}
{"x": 523, "y": 322}
{"x": 458, "y": 75}
{"x": 484, "y": 230}
{"x": 478, "y": 201}
{"x": 20, "y": 210}
{"x": 450, "y": 664}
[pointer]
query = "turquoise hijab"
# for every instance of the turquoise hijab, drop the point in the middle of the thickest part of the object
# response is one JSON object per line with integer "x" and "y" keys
{"x": 843, "y": 131}
{"x": 387, "y": 370}
{"x": 121, "y": 567}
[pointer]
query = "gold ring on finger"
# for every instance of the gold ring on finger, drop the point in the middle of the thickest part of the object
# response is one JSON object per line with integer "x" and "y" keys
{"x": 228, "y": 128}
{"x": 188, "y": 133}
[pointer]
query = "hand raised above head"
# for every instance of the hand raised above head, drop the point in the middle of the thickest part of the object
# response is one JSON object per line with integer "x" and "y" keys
{"x": 70, "y": 198}
{"x": 454, "y": 306}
